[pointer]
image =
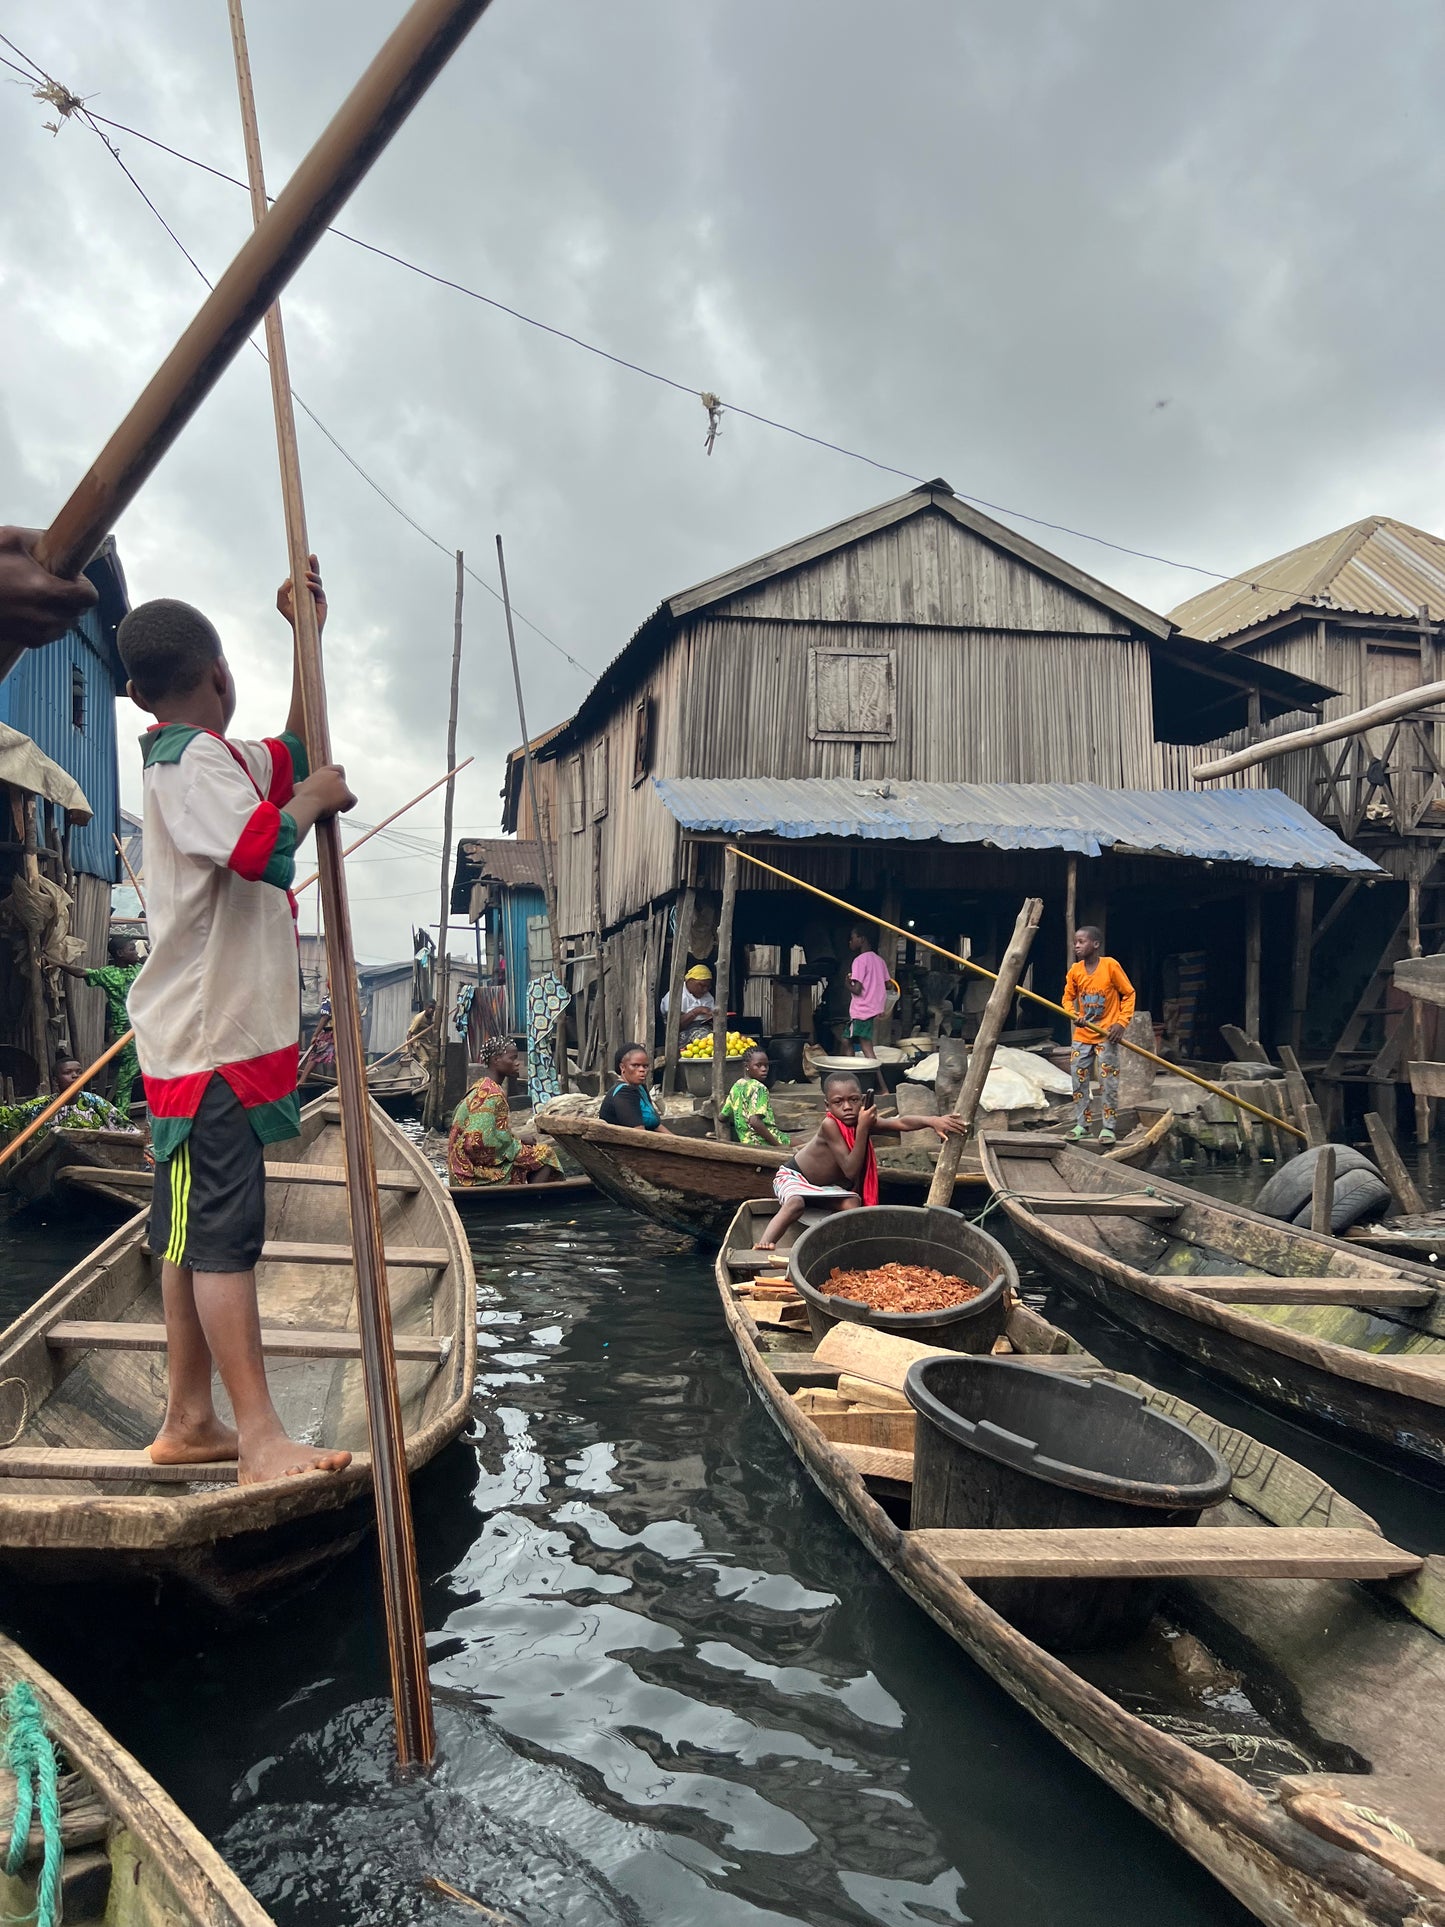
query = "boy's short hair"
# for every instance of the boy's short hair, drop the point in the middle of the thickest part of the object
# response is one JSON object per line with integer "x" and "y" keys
{"x": 1091, "y": 930}
{"x": 841, "y": 1077}
{"x": 167, "y": 648}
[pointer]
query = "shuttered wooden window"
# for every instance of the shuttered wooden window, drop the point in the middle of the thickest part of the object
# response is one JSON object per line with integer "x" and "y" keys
{"x": 851, "y": 695}
{"x": 642, "y": 740}
{"x": 599, "y": 778}
{"x": 576, "y": 795}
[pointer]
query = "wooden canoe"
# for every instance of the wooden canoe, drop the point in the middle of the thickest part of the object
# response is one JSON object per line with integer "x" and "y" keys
{"x": 130, "y": 1855}
{"x": 1259, "y": 1809}
{"x": 60, "y": 1156}
{"x": 397, "y": 1088}
{"x": 560, "y": 1195}
{"x": 82, "y": 1386}
{"x": 1334, "y": 1333}
{"x": 694, "y": 1184}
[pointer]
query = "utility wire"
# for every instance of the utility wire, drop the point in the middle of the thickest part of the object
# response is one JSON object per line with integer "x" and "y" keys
{"x": 74, "y": 104}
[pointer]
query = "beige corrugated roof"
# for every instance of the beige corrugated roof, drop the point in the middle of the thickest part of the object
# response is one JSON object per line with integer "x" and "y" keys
{"x": 1377, "y": 567}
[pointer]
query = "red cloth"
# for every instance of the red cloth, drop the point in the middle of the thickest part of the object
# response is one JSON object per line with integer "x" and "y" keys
{"x": 869, "y": 1189}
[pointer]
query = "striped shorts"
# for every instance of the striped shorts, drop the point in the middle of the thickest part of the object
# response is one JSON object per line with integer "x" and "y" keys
{"x": 208, "y": 1202}
{"x": 789, "y": 1182}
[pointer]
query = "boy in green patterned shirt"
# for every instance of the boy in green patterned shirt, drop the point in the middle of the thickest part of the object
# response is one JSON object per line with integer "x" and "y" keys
{"x": 115, "y": 979}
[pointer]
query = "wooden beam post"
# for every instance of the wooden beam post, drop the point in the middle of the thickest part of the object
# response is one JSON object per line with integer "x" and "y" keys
{"x": 995, "y": 1015}
{"x": 720, "y": 990}
{"x": 1417, "y": 1012}
{"x": 1251, "y": 962}
{"x": 1322, "y": 1192}
{"x": 1071, "y": 909}
{"x": 686, "y": 903}
{"x": 401, "y": 1590}
{"x": 39, "y": 1011}
{"x": 1392, "y": 1166}
{"x": 434, "y": 1100}
{"x": 1304, "y": 917}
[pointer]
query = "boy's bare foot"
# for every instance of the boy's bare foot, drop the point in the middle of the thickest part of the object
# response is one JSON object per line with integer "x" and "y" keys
{"x": 279, "y": 1457}
{"x": 194, "y": 1444}
{"x": 765, "y": 1244}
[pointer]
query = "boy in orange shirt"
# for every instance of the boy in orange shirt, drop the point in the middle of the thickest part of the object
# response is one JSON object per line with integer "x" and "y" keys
{"x": 1101, "y": 999}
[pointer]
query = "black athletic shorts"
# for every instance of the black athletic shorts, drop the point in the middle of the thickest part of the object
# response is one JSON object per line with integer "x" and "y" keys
{"x": 208, "y": 1207}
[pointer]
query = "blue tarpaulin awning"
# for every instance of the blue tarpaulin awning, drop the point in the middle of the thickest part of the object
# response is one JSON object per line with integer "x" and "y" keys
{"x": 1263, "y": 828}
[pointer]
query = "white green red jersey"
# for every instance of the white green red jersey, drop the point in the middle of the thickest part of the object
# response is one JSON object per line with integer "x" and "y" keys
{"x": 219, "y": 994}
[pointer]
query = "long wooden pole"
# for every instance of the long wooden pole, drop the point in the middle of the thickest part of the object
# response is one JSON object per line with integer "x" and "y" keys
{"x": 39, "y": 1011}
{"x": 8, "y": 1150}
{"x": 549, "y": 882}
{"x": 980, "y": 1060}
{"x": 1424, "y": 696}
{"x": 365, "y": 122}
{"x": 436, "y": 1086}
{"x": 401, "y": 1588}
{"x": 1046, "y": 1003}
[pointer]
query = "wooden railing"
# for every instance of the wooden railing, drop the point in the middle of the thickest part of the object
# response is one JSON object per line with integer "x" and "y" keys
{"x": 1391, "y": 781}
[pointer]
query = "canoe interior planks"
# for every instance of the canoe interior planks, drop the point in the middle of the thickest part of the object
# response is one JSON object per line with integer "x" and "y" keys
{"x": 1168, "y": 1552}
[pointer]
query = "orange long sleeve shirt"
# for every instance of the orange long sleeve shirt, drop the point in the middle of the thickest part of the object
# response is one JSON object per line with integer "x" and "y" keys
{"x": 1103, "y": 995}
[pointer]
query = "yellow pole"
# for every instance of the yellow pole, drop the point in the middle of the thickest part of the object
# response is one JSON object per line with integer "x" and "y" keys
{"x": 867, "y": 916}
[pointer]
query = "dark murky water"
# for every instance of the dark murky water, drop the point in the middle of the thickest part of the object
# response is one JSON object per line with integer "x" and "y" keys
{"x": 670, "y": 1688}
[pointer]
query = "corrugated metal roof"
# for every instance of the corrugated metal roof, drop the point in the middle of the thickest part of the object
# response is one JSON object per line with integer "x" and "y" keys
{"x": 503, "y": 860}
{"x": 1264, "y": 828}
{"x": 1377, "y": 567}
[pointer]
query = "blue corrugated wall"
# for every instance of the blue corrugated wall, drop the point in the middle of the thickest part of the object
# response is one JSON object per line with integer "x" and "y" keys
{"x": 36, "y": 698}
{"x": 516, "y": 907}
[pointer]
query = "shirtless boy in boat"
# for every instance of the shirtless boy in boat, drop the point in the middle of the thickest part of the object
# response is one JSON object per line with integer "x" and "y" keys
{"x": 217, "y": 1016}
{"x": 837, "y": 1169}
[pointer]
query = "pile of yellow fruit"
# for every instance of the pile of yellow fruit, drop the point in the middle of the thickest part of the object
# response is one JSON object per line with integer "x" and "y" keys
{"x": 737, "y": 1044}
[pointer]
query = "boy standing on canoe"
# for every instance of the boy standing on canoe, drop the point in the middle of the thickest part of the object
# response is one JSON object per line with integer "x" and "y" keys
{"x": 1101, "y": 999}
{"x": 216, "y": 1010}
{"x": 837, "y": 1169}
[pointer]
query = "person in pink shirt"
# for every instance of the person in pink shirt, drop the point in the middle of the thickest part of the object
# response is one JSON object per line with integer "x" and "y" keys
{"x": 868, "y": 981}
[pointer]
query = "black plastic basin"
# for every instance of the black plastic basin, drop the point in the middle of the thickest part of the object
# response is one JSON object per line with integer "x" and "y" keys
{"x": 906, "y": 1234}
{"x": 1004, "y": 1444}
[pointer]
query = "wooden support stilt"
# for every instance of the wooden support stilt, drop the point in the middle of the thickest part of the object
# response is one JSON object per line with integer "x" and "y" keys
{"x": 1392, "y": 1166}
{"x": 1071, "y": 909}
{"x": 1252, "y": 950}
{"x": 720, "y": 991}
{"x": 1322, "y": 1192}
{"x": 672, "y": 1034}
{"x": 401, "y": 1590}
{"x": 1304, "y": 917}
{"x": 1417, "y": 1011}
{"x": 980, "y": 1060}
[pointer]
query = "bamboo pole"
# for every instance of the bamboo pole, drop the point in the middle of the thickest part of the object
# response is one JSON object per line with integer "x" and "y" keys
{"x": 376, "y": 107}
{"x": 134, "y": 879}
{"x": 401, "y": 1587}
{"x": 980, "y": 1060}
{"x": 1032, "y": 996}
{"x": 39, "y": 1123}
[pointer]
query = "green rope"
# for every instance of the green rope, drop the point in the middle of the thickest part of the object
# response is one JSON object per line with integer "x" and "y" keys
{"x": 30, "y": 1756}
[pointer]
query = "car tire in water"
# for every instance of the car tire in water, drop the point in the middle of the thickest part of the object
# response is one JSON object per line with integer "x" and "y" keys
{"x": 1358, "y": 1194}
{"x": 1293, "y": 1183}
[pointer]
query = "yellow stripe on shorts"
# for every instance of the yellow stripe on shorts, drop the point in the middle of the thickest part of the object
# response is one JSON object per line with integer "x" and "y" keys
{"x": 180, "y": 1202}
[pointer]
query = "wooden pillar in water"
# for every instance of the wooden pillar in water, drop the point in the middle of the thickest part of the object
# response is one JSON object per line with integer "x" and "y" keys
{"x": 1417, "y": 1014}
{"x": 720, "y": 991}
{"x": 686, "y": 904}
{"x": 1251, "y": 964}
{"x": 1071, "y": 910}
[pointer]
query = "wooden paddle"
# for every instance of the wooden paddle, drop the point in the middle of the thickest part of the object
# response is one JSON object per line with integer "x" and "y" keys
{"x": 401, "y": 1586}
{"x": 967, "y": 963}
{"x": 980, "y": 1060}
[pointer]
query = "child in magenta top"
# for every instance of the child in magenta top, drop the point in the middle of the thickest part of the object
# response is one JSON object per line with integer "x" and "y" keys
{"x": 868, "y": 981}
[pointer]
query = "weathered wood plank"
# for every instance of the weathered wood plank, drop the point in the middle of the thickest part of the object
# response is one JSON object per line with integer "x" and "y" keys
{"x": 422, "y": 1257}
{"x": 1392, "y": 1167}
{"x": 136, "y": 1468}
{"x": 893, "y": 1430}
{"x": 1081, "y": 1204}
{"x": 877, "y": 1462}
{"x": 1169, "y": 1552}
{"x": 1414, "y": 1802}
{"x": 336, "y": 1174}
{"x": 873, "y": 1356}
{"x": 278, "y": 1341}
{"x": 1306, "y": 1291}
{"x": 1339, "y": 1821}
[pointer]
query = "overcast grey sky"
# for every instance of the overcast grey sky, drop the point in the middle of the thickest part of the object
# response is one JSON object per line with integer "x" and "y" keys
{"x": 1164, "y": 274}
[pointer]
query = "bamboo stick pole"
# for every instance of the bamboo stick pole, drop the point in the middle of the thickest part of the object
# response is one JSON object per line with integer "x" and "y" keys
{"x": 39, "y": 1123}
{"x": 376, "y": 107}
{"x": 437, "y": 1082}
{"x": 401, "y": 1586}
{"x": 1046, "y": 1003}
{"x": 720, "y": 991}
{"x": 980, "y": 1059}
{"x": 134, "y": 879}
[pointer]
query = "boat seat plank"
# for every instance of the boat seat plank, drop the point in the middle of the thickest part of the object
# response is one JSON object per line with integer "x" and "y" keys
{"x": 278, "y": 1341}
{"x": 1414, "y": 1802}
{"x": 875, "y": 1461}
{"x": 1259, "y": 1290}
{"x": 141, "y": 1180}
{"x": 1169, "y": 1552}
{"x": 136, "y": 1468}
{"x": 336, "y": 1174}
{"x": 1082, "y": 1204}
{"x": 758, "y": 1260}
{"x": 422, "y": 1257}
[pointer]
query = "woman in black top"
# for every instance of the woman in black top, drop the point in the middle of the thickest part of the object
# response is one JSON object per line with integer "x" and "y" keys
{"x": 628, "y": 1102}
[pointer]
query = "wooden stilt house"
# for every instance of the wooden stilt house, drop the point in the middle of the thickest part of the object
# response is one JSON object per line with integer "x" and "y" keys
{"x": 929, "y": 715}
